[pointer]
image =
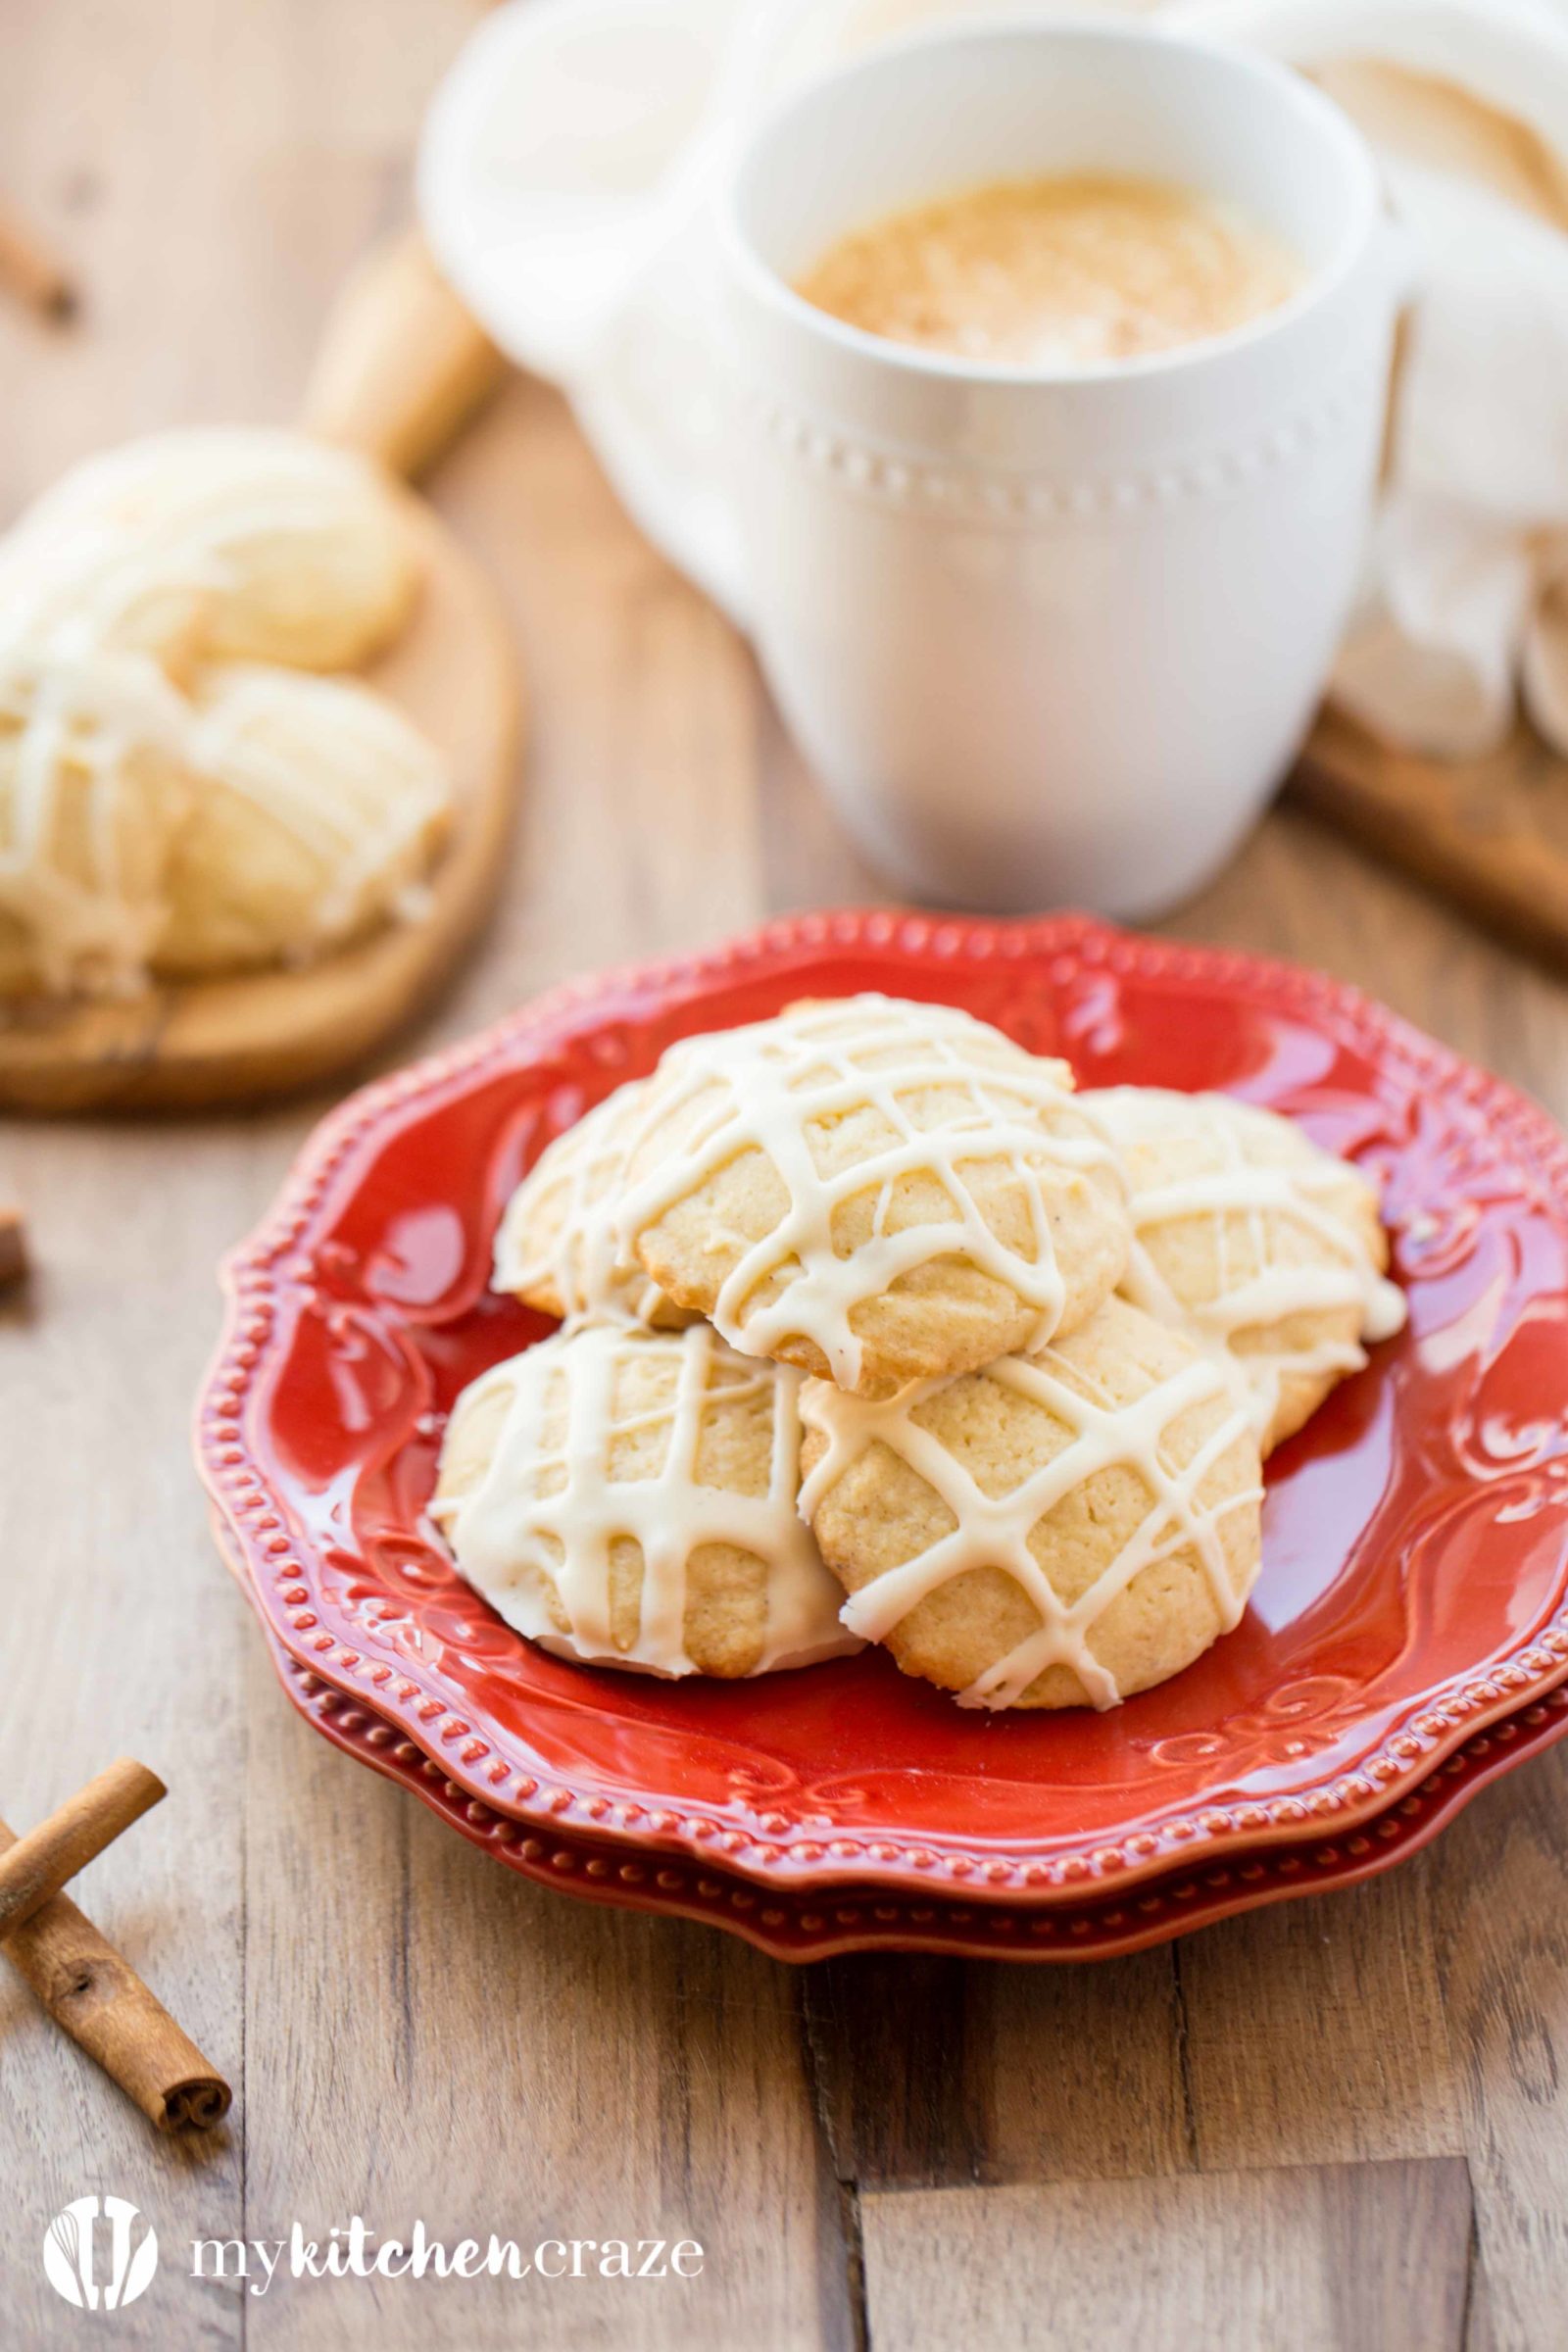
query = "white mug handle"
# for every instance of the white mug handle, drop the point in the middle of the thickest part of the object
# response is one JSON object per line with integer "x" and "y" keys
{"x": 559, "y": 273}
{"x": 1397, "y": 255}
{"x": 678, "y": 498}
{"x": 524, "y": 188}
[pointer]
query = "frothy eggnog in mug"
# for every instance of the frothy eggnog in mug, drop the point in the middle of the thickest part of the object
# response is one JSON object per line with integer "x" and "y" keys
{"x": 1058, "y": 273}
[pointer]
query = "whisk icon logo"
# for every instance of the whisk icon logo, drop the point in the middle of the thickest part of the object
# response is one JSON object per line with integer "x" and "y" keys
{"x": 94, "y": 2257}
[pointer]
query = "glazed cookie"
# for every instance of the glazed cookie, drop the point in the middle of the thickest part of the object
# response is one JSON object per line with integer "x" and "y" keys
{"x": 226, "y": 542}
{"x": 556, "y": 1249}
{"x": 874, "y": 1191}
{"x": 1254, "y": 1237}
{"x": 93, "y": 786}
{"x": 316, "y": 812}
{"x": 85, "y": 590}
{"x": 629, "y": 1498}
{"x": 1052, "y": 1532}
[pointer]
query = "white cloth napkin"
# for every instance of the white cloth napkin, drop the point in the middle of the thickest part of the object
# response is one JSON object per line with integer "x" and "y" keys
{"x": 566, "y": 159}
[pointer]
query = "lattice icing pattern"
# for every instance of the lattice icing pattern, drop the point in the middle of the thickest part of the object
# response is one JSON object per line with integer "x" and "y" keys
{"x": 273, "y": 818}
{"x": 263, "y": 816}
{"x": 223, "y": 542}
{"x": 1288, "y": 1274}
{"x": 873, "y": 1189}
{"x": 557, "y": 1245}
{"x": 628, "y": 1498}
{"x": 317, "y": 810}
{"x": 93, "y": 786}
{"x": 1184, "y": 1433}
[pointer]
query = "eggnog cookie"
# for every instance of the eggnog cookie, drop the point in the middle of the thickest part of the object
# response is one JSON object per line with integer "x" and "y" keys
{"x": 316, "y": 812}
{"x": 223, "y": 542}
{"x": 93, "y": 786}
{"x": 1262, "y": 1242}
{"x": 629, "y": 1498}
{"x": 877, "y": 1192}
{"x": 85, "y": 590}
{"x": 556, "y": 1249}
{"x": 1055, "y": 1531}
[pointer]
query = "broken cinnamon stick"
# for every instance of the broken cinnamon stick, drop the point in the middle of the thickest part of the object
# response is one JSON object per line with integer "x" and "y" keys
{"x": 39, "y": 1864}
{"x": 97, "y": 1996}
{"x": 13, "y": 1245}
{"x": 31, "y": 270}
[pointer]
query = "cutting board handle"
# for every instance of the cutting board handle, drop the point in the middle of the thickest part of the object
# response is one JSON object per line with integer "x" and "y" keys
{"x": 402, "y": 365}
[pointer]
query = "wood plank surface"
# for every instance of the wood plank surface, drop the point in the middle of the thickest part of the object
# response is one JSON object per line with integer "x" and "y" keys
{"x": 1501, "y": 1898}
{"x": 1260, "y": 2007}
{"x": 1275, "y": 2126}
{"x": 1490, "y": 833}
{"x": 1362, "y": 2258}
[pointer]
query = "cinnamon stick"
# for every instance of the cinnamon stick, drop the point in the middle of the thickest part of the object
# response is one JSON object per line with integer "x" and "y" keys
{"x": 38, "y": 1865}
{"x": 31, "y": 270}
{"x": 97, "y": 1996}
{"x": 13, "y": 1245}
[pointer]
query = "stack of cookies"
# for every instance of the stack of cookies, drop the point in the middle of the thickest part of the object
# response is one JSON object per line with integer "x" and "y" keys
{"x": 183, "y": 790}
{"x": 874, "y": 1329}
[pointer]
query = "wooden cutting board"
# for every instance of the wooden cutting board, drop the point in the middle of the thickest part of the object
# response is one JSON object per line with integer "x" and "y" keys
{"x": 1491, "y": 835}
{"x": 400, "y": 369}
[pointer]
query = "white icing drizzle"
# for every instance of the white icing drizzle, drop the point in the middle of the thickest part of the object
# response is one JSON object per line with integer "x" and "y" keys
{"x": 503, "y": 1532}
{"x": 1301, "y": 1189}
{"x": 993, "y": 1531}
{"x": 111, "y": 572}
{"x": 329, "y": 762}
{"x": 99, "y": 590}
{"x": 820, "y": 1062}
{"x": 102, "y": 725}
{"x": 581, "y": 1262}
{"x": 159, "y": 523}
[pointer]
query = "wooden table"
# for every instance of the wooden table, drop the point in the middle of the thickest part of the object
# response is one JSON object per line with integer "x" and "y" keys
{"x": 1338, "y": 2123}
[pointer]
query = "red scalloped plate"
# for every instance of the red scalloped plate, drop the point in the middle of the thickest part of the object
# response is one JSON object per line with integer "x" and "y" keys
{"x": 870, "y": 1919}
{"x": 1415, "y": 1544}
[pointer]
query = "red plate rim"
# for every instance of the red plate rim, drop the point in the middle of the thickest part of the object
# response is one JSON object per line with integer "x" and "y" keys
{"x": 875, "y": 1918}
{"x": 251, "y": 1512}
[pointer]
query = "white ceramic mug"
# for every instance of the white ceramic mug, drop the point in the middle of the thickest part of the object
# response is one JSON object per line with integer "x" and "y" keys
{"x": 1054, "y": 638}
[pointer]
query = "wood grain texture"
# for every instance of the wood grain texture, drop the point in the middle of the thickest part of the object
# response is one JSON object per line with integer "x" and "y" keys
{"x": 1290, "y": 2055}
{"x": 410, "y": 2032}
{"x": 507, "y": 2061}
{"x": 1500, "y": 1887}
{"x": 888, "y": 2123}
{"x": 1022, "y": 2074}
{"x": 1341, "y": 2258}
{"x": 1490, "y": 834}
{"x": 1086, "y": 2072}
